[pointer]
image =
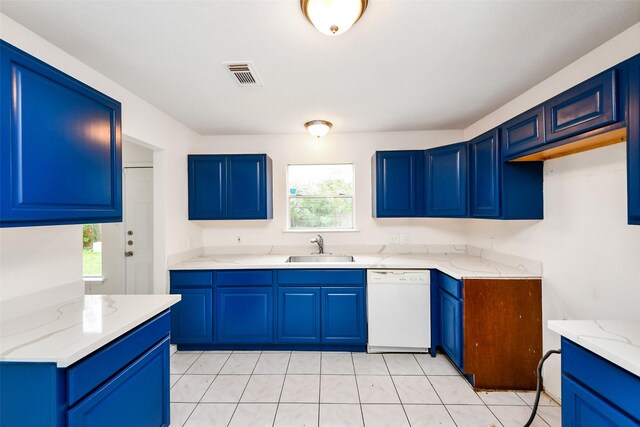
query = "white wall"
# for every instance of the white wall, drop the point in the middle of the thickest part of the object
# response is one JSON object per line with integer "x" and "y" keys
{"x": 141, "y": 122}
{"x": 356, "y": 148}
{"x": 589, "y": 253}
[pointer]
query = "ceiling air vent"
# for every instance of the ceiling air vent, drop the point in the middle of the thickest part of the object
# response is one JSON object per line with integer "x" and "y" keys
{"x": 244, "y": 73}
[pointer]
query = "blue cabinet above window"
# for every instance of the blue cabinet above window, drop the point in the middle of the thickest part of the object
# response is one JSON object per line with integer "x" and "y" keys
{"x": 234, "y": 186}
{"x": 60, "y": 146}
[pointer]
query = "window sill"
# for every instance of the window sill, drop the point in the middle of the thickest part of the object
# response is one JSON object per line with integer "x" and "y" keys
{"x": 97, "y": 280}
{"x": 322, "y": 230}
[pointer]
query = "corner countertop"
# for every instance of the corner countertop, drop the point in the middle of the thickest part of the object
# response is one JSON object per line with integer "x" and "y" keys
{"x": 70, "y": 330}
{"x": 458, "y": 265}
{"x": 617, "y": 341}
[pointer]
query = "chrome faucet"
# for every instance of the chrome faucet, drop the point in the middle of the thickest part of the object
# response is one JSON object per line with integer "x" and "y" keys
{"x": 320, "y": 241}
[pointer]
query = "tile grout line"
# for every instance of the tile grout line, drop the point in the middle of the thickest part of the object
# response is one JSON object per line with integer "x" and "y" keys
{"x": 396, "y": 388}
{"x": 182, "y": 376}
{"x": 244, "y": 389}
{"x": 353, "y": 364}
{"x": 210, "y": 385}
{"x": 284, "y": 381}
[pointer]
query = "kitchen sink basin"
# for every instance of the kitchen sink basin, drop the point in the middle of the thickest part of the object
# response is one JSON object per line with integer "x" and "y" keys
{"x": 320, "y": 258}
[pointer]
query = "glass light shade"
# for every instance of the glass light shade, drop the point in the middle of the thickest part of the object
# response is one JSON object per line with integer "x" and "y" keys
{"x": 333, "y": 17}
{"x": 318, "y": 128}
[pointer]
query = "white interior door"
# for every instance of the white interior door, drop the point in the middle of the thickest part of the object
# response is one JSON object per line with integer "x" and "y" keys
{"x": 138, "y": 219}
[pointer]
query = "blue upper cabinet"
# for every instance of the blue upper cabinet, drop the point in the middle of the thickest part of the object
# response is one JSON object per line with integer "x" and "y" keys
{"x": 484, "y": 161}
{"x": 249, "y": 186}
{"x": 398, "y": 183}
{"x": 207, "y": 187}
{"x": 590, "y": 105}
{"x": 524, "y": 132}
{"x": 230, "y": 186}
{"x": 60, "y": 146}
{"x": 446, "y": 181}
{"x": 633, "y": 141}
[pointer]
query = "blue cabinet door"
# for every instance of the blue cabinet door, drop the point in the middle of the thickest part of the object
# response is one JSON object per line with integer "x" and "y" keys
{"x": 207, "y": 187}
{"x": 244, "y": 315}
{"x": 343, "y": 316}
{"x": 137, "y": 397}
{"x": 583, "y": 408}
{"x": 524, "y": 132}
{"x": 398, "y": 176}
{"x": 299, "y": 315}
{"x": 60, "y": 146}
{"x": 192, "y": 318}
{"x": 451, "y": 327}
{"x": 587, "y": 106}
{"x": 484, "y": 156}
{"x": 633, "y": 141}
{"x": 446, "y": 181}
{"x": 249, "y": 187}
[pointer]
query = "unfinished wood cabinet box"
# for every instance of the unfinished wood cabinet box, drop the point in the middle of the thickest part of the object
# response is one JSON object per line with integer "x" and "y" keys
{"x": 502, "y": 326}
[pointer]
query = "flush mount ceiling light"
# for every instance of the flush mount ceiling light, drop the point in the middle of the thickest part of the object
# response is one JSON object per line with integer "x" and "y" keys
{"x": 318, "y": 128}
{"x": 333, "y": 17}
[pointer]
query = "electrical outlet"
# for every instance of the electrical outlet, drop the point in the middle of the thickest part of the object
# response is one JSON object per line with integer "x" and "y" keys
{"x": 394, "y": 238}
{"x": 405, "y": 238}
{"x": 238, "y": 238}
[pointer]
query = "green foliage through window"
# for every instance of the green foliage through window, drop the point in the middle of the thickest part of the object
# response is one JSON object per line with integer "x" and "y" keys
{"x": 91, "y": 250}
{"x": 321, "y": 196}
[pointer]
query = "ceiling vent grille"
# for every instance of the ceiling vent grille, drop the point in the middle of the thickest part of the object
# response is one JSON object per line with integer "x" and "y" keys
{"x": 244, "y": 73}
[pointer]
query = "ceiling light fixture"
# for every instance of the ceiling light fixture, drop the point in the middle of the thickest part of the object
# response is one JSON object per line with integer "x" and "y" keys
{"x": 333, "y": 17}
{"x": 318, "y": 128}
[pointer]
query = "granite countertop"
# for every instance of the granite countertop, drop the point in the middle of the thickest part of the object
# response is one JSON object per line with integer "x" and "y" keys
{"x": 67, "y": 331}
{"x": 617, "y": 341}
{"x": 457, "y": 265}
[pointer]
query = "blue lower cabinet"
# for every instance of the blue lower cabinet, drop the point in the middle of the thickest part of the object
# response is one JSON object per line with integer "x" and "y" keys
{"x": 451, "y": 327}
{"x": 137, "y": 397}
{"x": 192, "y": 317}
{"x": 244, "y": 315}
{"x": 596, "y": 392}
{"x": 343, "y": 316}
{"x": 125, "y": 383}
{"x": 299, "y": 315}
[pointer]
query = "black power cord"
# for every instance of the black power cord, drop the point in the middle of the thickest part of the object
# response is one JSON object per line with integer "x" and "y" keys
{"x": 539, "y": 386}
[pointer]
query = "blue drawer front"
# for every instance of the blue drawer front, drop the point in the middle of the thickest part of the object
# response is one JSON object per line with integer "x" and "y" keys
{"x": 137, "y": 397}
{"x": 524, "y": 132}
{"x": 582, "y": 408}
{"x": 613, "y": 383}
{"x": 320, "y": 277}
{"x": 244, "y": 277}
{"x": 589, "y": 105}
{"x": 451, "y": 285}
{"x": 191, "y": 278}
{"x": 96, "y": 368}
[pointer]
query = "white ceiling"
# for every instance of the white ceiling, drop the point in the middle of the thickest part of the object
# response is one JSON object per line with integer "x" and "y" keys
{"x": 406, "y": 65}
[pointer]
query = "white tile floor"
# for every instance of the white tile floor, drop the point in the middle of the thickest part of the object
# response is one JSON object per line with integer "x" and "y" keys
{"x": 264, "y": 389}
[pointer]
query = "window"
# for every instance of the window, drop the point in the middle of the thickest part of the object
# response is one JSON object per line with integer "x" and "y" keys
{"x": 91, "y": 250}
{"x": 320, "y": 197}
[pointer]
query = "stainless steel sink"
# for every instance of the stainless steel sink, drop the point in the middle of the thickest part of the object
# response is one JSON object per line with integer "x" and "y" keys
{"x": 320, "y": 258}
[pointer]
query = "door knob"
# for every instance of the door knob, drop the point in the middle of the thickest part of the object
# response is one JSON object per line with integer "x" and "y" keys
{"x": 128, "y": 253}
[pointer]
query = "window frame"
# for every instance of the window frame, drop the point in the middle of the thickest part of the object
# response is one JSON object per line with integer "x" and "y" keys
{"x": 289, "y": 229}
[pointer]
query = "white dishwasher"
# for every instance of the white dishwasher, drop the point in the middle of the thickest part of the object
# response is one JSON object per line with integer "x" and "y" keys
{"x": 398, "y": 311}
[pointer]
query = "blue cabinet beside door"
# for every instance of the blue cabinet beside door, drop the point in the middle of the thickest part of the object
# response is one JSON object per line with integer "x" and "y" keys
{"x": 236, "y": 186}
{"x": 398, "y": 181}
{"x": 192, "y": 317}
{"x": 446, "y": 181}
{"x": 60, "y": 146}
